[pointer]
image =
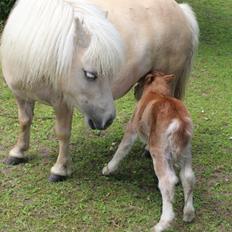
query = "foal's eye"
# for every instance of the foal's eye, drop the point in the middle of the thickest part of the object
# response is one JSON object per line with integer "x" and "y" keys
{"x": 90, "y": 75}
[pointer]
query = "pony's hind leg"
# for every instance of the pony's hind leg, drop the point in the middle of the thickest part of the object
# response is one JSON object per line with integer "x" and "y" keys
{"x": 62, "y": 168}
{"x": 123, "y": 149}
{"x": 25, "y": 115}
{"x": 167, "y": 180}
{"x": 188, "y": 180}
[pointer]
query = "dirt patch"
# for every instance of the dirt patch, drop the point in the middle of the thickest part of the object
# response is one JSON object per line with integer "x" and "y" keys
{"x": 219, "y": 177}
{"x": 44, "y": 152}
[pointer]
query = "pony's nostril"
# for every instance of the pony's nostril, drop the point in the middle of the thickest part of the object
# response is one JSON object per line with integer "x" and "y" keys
{"x": 91, "y": 124}
{"x": 99, "y": 124}
{"x": 109, "y": 122}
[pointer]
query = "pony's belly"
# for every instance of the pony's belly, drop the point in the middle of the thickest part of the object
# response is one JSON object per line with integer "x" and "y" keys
{"x": 37, "y": 92}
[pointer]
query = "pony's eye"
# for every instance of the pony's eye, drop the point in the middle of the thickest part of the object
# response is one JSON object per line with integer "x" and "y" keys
{"x": 90, "y": 75}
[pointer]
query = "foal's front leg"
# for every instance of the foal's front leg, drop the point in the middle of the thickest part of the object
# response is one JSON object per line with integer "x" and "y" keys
{"x": 123, "y": 149}
{"x": 62, "y": 168}
{"x": 25, "y": 115}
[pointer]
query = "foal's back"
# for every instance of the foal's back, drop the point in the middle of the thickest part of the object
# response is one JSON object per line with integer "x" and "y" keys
{"x": 172, "y": 124}
{"x": 166, "y": 117}
{"x": 165, "y": 125}
{"x": 169, "y": 141}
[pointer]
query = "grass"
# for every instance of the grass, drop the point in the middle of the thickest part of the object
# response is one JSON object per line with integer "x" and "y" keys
{"x": 129, "y": 200}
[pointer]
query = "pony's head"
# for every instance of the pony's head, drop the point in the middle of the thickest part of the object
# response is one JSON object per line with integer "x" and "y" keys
{"x": 97, "y": 62}
{"x": 76, "y": 52}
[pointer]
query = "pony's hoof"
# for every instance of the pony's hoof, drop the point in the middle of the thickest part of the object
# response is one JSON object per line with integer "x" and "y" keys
{"x": 56, "y": 178}
{"x": 10, "y": 160}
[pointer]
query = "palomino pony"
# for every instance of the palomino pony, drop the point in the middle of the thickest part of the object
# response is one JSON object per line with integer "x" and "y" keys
{"x": 165, "y": 126}
{"x": 69, "y": 53}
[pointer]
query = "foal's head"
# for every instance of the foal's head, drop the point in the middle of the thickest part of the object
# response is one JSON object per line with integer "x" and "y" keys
{"x": 159, "y": 82}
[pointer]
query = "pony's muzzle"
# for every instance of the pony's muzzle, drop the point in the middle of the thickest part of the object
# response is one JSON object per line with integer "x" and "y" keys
{"x": 99, "y": 124}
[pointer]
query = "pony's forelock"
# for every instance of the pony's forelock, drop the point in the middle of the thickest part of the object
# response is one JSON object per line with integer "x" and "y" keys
{"x": 105, "y": 51}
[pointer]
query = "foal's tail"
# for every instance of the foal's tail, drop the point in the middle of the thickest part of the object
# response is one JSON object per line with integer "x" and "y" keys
{"x": 179, "y": 134}
{"x": 193, "y": 26}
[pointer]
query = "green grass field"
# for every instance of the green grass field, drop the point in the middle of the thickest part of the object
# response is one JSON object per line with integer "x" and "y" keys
{"x": 129, "y": 200}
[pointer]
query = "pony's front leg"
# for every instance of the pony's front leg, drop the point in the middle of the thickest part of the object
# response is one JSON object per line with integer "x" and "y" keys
{"x": 62, "y": 168}
{"x": 25, "y": 115}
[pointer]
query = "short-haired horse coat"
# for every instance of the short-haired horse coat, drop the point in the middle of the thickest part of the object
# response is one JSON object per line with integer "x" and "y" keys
{"x": 164, "y": 124}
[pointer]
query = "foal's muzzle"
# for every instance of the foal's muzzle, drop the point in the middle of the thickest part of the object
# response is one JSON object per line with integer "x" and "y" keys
{"x": 99, "y": 124}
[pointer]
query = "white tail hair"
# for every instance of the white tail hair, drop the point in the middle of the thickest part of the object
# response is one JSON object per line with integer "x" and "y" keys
{"x": 38, "y": 41}
{"x": 194, "y": 28}
{"x": 192, "y": 22}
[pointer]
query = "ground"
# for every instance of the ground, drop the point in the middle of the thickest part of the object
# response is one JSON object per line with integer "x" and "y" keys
{"x": 129, "y": 200}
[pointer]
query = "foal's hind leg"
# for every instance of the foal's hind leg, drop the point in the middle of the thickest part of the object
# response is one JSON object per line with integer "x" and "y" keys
{"x": 25, "y": 115}
{"x": 188, "y": 179}
{"x": 123, "y": 149}
{"x": 167, "y": 180}
{"x": 62, "y": 168}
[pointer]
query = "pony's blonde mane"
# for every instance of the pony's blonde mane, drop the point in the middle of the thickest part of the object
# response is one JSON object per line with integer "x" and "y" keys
{"x": 38, "y": 41}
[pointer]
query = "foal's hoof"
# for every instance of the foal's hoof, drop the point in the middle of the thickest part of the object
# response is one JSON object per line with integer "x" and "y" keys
{"x": 189, "y": 215}
{"x": 10, "y": 160}
{"x": 106, "y": 171}
{"x": 56, "y": 178}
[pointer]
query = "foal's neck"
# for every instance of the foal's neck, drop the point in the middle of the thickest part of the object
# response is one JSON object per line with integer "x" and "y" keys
{"x": 159, "y": 91}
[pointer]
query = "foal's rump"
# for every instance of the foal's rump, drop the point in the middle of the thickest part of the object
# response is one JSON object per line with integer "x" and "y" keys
{"x": 178, "y": 134}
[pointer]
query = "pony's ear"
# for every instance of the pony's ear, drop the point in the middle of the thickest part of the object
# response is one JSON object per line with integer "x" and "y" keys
{"x": 83, "y": 37}
{"x": 170, "y": 78}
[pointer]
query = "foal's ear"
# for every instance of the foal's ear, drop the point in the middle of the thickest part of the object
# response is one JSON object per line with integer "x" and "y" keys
{"x": 170, "y": 78}
{"x": 83, "y": 37}
{"x": 149, "y": 79}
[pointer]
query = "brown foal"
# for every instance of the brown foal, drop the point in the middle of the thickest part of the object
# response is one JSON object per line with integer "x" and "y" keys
{"x": 164, "y": 124}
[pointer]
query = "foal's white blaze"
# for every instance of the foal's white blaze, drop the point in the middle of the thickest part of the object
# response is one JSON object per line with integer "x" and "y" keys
{"x": 50, "y": 43}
